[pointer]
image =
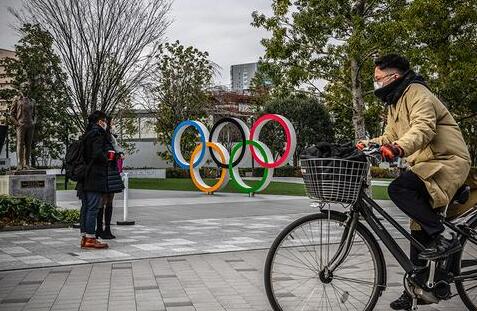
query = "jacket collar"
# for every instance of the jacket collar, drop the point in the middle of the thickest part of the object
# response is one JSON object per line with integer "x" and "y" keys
{"x": 396, "y": 109}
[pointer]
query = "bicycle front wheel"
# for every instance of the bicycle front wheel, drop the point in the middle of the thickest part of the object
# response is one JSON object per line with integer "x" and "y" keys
{"x": 295, "y": 277}
{"x": 467, "y": 265}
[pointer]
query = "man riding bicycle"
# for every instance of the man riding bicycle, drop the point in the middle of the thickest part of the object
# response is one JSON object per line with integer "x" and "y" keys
{"x": 421, "y": 129}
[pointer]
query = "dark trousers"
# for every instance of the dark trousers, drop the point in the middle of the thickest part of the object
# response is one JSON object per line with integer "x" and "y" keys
{"x": 105, "y": 211}
{"x": 410, "y": 195}
{"x": 425, "y": 239}
{"x": 90, "y": 203}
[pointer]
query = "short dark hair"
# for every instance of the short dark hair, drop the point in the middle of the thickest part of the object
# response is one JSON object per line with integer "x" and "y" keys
{"x": 393, "y": 61}
{"x": 96, "y": 116}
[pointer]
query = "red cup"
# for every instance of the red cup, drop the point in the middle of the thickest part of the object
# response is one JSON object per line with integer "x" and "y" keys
{"x": 111, "y": 154}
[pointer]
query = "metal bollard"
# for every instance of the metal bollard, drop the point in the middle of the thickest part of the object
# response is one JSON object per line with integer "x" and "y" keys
{"x": 125, "y": 221}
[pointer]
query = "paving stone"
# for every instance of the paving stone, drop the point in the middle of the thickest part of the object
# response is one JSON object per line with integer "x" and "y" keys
{"x": 236, "y": 230}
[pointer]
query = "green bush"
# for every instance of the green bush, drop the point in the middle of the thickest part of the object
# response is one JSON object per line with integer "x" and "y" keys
{"x": 378, "y": 172}
{"x": 177, "y": 173}
{"x": 70, "y": 216}
{"x": 29, "y": 210}
{"x": 211, "y": 172}
{"x": 205, "y": 172}
{"x": 285, "y": 171}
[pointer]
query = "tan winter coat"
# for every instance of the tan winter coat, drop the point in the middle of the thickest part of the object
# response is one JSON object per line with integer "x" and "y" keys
{"x": 432, "y": 142}
{"x": 472, "y": 201}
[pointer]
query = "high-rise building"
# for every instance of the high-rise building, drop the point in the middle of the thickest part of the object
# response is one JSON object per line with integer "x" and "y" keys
{"x": 242, "y": 75}
{"x": 4, "y": 80}
{"x": 4, "y": 83}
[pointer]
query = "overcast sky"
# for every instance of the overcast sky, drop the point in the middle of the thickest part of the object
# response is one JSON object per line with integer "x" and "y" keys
{"x": 221, "y": 27}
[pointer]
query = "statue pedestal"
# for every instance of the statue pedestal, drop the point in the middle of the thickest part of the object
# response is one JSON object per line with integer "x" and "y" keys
{"x": 4, "y": 164}
{"x": 31, "y": 183}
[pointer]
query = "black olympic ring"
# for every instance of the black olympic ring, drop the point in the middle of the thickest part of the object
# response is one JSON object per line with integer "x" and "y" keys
{"x": 242, "y": 133}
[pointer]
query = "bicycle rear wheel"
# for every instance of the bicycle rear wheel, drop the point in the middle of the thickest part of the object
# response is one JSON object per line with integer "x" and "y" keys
{"x": 294, "y": 269}
{"x": 467, "y": 264}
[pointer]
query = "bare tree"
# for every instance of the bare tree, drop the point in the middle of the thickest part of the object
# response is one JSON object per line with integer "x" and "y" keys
{"x": 105, "y": 46}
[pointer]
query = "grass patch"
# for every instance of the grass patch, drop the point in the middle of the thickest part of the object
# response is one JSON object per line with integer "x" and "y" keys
{"x": 185, "y": 184}
{"x": 380, "y": 193}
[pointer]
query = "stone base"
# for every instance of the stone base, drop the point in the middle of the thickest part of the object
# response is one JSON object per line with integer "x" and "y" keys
{"x": 4, "y": 164}
{"x": 27, "y": 172}
{"x": 39, "y": 186}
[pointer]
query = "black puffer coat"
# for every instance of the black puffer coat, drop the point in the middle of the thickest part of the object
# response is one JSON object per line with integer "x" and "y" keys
{"x": 115, "y": 183}
{"x": 95, "y": 154}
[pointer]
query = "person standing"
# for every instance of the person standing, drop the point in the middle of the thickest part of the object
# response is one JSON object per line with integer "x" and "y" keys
{"x": 94, "y": 184}
{"x": 114, "y": 185}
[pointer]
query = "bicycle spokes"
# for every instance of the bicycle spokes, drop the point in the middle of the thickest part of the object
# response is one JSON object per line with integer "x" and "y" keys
{"x": 300, "y": 275}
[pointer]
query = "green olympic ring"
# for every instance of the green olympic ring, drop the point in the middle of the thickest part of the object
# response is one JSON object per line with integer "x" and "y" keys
{"x": 234, "y": 173}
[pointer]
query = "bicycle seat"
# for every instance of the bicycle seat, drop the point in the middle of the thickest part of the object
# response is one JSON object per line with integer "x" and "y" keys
{"x": 462, "y": 194}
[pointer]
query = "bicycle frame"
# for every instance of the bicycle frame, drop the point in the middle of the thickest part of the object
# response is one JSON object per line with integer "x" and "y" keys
{"x": 365, "y": 206}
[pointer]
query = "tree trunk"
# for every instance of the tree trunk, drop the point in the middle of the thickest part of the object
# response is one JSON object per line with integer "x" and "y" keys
{"x": 358, "y": 101}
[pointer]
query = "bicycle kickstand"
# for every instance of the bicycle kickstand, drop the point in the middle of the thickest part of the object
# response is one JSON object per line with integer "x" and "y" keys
{"x": 414, "y": 303}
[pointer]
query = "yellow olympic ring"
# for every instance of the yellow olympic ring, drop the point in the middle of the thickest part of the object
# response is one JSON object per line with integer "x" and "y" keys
{"x": 194, "y": 172}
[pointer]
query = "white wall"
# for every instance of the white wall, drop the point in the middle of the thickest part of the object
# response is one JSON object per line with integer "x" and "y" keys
{"x": 146, "y": 156}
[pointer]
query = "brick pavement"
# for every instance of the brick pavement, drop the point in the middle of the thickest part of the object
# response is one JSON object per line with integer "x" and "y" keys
{"x": 203, "y": 277}
{"x": 230, "y": 281}
{"x": 168, "y": 224}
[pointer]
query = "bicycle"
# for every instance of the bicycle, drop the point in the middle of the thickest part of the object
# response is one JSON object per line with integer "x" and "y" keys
{"x": 331, "y": 260}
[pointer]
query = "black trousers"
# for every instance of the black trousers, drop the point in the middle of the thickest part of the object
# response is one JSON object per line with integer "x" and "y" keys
{"x": 410, "y": 195}
{"x": 425, "y": 239}
{"x": 106, "y": 210}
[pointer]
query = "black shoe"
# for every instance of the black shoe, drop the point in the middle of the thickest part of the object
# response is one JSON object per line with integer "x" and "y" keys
{"x": 107, "y": 235}
{"x": 99, "y": 233}
{"x": 402, "y": 303}
{"x": 440, "y": 248}
{"x": 405, "y": 302}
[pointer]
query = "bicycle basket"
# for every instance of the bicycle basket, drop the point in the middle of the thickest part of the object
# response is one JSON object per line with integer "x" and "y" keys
{"x": 333, "y": 180}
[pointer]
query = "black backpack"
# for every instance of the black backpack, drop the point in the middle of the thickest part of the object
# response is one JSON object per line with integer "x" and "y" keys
{"x": 75, "y": 164}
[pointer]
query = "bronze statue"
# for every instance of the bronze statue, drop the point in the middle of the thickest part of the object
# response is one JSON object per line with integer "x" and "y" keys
{"x": 23, "y": 117}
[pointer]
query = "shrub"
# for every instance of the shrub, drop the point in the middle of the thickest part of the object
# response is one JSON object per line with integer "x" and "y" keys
{"x": 205, "y": 172}
{"x": 29, "y": 210}
{"x": 177, "y": 173}
{"x": 70, "y": 216}
{"x": 378, "y": 172}
{"x": 285, "y": 171}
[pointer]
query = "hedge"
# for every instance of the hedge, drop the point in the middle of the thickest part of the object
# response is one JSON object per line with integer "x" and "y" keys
{"x": 27, "y": 210}
{"x": 285, "y": 171}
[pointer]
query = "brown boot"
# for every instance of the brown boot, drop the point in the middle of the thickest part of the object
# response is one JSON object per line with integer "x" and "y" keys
{"x": 92, "y": 243}
{"x": 83, "y": 240}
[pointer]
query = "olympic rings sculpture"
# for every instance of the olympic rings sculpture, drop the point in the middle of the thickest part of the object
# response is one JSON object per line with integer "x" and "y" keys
{"x": 209, "y": 147}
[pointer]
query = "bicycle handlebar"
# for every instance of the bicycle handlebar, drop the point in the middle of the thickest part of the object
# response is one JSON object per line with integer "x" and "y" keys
{"x": 372, "y": 151}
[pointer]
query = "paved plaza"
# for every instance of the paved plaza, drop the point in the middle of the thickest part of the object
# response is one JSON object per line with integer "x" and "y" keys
{"x": 187, "y": 251}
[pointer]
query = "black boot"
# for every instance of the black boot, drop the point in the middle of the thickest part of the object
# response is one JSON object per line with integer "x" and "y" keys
{"x": 405, "y": 302}
{"x": 441, "y": 247}
{"x": 402, "y": 303}
{"x": 107, "y": 234}
{"x": 425, "y": 239}
{"x": 108, "y": 213}
{"x": 99, "y": 223}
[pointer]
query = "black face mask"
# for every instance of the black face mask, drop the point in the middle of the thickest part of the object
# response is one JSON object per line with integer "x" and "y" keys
{"x": 391, "y": 93}
{"x": 387, "y": 93}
